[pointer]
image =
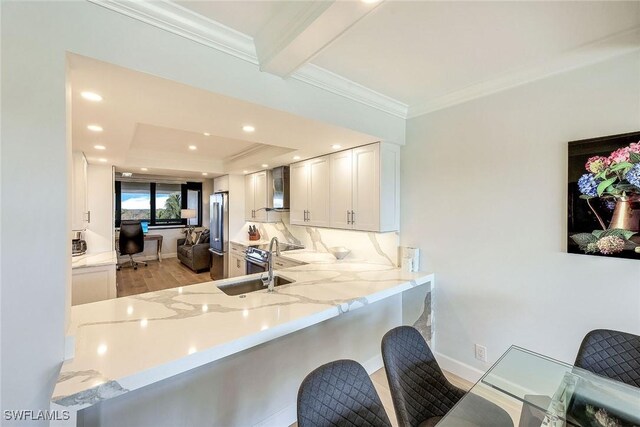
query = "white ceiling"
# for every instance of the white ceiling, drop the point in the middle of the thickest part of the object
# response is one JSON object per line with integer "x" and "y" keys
{"x": 413, "y": 51}
{"x": 150, "y": 122}
{"x": 247, "y": 17}
{"x": 426, "y": 52}
{"x": 402, "y": 57}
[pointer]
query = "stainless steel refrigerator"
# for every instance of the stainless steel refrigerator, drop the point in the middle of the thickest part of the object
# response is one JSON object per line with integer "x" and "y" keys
{"x": 219, "y": 224}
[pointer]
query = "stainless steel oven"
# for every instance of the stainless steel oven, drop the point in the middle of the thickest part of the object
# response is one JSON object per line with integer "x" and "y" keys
{"x": 257, "y": 260}
{"x": 256, "y": 266}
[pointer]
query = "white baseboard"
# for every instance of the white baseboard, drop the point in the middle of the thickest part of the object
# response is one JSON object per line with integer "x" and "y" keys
{"x": 289, "y": 415}
{"x": 458, "y": 368}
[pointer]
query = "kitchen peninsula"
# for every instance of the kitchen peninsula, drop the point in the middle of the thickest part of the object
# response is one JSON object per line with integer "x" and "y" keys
{"x": 235, "y": 360}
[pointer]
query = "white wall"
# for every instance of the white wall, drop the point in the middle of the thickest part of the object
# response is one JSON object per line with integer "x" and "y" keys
{"x": 484, "y": 188}
{"x": 100, "y": 231}
{"x": 35, "y": 155}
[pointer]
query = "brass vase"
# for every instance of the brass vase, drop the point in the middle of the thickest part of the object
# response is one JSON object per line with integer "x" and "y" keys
{"x": 626, "y": 214}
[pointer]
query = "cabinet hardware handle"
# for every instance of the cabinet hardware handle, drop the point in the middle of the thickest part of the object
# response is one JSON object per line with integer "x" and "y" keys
{"x": 238, "y": 263}
{"x": 348, "y": 217}
{"x": 353, "y": 217}
{"x": 308, "y": 215}
{"x": 88, "y": 217}
{"x": 305, "y": 216}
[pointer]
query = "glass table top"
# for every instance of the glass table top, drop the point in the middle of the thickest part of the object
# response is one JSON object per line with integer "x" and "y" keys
{"x": 535, "y": 390}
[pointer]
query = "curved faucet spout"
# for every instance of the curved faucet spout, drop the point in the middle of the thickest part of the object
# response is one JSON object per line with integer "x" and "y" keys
{"x": 271, "y": 281}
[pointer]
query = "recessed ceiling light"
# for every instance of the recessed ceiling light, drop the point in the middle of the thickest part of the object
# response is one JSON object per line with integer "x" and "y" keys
{"x": 204, "y": 174}
{"x": 206, "y": 134}
{"x": 91, "y": 96}
{"x": 102, "y": 160}
{"x": 94, "y": 128}
{"x": 264, "y": 165}
{"x": 99, "y": 147}
{"x": 336, "y": 146}
{"x": 193, "y": 147}
{"x": 144, "y": 169}
{"x": 245, "y": 171}
{"x": 248, "y": 128}
{"x": 127, "y": 174}
{"x": 296, "y": 157}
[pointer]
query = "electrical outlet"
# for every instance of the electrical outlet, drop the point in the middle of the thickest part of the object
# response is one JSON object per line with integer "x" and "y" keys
{"x": 481, "y": 352}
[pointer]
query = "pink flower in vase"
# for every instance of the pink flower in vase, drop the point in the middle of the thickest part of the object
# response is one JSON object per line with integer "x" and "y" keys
{"x": 620, "y": 155}
{"x": 635, "y": 147}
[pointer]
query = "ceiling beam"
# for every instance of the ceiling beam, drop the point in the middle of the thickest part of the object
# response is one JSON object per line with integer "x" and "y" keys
{"x": 301, "y": 30}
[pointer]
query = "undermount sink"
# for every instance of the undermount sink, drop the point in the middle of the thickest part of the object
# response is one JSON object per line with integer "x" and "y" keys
{"x": 251, "y": 285}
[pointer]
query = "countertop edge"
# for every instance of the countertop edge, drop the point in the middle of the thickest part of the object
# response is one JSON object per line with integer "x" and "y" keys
{"x": 116, "y": 387}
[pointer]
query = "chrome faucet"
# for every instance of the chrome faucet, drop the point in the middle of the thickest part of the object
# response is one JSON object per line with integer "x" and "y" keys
{"x": 271, "y": 281}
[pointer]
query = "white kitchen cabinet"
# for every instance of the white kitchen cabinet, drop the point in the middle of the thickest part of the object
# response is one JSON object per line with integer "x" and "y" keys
{"x": 80, "y": 215}
{"x": 363, "y": 191}
{"x": 221, "y": 184}
{"x": 237, "y": 263}
{"x": 91, "y": 284}
{"x": 257, "y": 192}
{"x": 280, "y": 262}
{"x": 365, "y": 185}
{"x": 237, "y": 266}
{"x": 340, "y": 184}
{"x": 309, "y": 192}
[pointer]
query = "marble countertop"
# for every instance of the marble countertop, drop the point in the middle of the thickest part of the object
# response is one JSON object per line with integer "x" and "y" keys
{"x": 127, "y": 343}
{"x": 94, "y": 260}
{"x": 308, "y": 256}
{"x": 251, "y": 242}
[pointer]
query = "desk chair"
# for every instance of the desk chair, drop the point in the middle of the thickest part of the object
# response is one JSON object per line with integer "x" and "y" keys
{"x": 131, "y": 242}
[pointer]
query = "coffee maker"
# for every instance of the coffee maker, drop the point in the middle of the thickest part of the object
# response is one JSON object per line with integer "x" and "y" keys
{"x": 78, "y": 245}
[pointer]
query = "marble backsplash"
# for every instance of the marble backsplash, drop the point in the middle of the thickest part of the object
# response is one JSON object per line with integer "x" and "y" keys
{"x": 374, "y": 248}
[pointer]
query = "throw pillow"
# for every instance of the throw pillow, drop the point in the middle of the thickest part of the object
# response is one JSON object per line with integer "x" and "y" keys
{"x": 195, "y": 237}
{"x": 204, "y": 236}
{"x": 188, "y": 238}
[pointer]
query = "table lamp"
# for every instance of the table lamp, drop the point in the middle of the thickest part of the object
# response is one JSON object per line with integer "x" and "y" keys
{"x": 188, "y": 214}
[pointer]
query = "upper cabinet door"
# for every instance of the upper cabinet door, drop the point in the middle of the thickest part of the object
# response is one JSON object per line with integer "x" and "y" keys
{"x": 298, "y": 192}
{"x": 261, "y": 195}
{"x": 318, "y": 192}
{"x": 340, "y": 189}
{"x": 249, "y": 194}
{"x": 366, "y": 188}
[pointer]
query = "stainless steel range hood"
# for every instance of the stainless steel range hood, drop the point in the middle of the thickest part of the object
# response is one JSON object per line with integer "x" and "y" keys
{"x": 280, "y": 181}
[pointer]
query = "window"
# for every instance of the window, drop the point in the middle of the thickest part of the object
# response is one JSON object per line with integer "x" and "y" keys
{"x": 156, "y": 202}
{"x": 168, "y": 203}
{"x": 136, "y": 200}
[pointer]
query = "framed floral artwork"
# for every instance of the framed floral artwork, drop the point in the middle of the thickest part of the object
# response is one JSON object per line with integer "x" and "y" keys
{"x": 604, "y": 196}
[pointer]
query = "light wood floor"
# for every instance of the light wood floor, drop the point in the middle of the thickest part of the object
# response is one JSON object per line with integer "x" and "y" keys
{"x": 379, "y": 379}
{"x": 170, "y": 273}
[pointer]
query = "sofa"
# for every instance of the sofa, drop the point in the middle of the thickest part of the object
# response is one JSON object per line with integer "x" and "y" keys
{"x": 196, "y": 257}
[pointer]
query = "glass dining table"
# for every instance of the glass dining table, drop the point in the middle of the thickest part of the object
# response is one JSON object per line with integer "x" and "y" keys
{"x": 535, "y": 390}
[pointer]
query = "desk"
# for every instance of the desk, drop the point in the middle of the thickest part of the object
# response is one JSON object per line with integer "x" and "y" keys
{"x": 545, "y": 392}
{"x": 157, "y": 238}
{"x": 148, "y": 238}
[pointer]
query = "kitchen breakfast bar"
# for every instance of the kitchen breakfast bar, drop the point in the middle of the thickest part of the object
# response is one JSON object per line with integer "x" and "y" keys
{"x": 196, "y": 356}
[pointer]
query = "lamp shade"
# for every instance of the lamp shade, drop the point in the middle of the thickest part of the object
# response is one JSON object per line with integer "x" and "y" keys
{"x": 187, "y": 213}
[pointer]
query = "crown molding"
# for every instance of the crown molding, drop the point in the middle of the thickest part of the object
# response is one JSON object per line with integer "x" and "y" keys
{"x": 606, "y": 48}
{"x": 178, "y": 20}
{"x": 331, "y": 82}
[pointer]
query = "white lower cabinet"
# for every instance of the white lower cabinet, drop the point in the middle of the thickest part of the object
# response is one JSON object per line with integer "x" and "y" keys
{"x": 91, "y": 284}
{"x": 237, "y": 263}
